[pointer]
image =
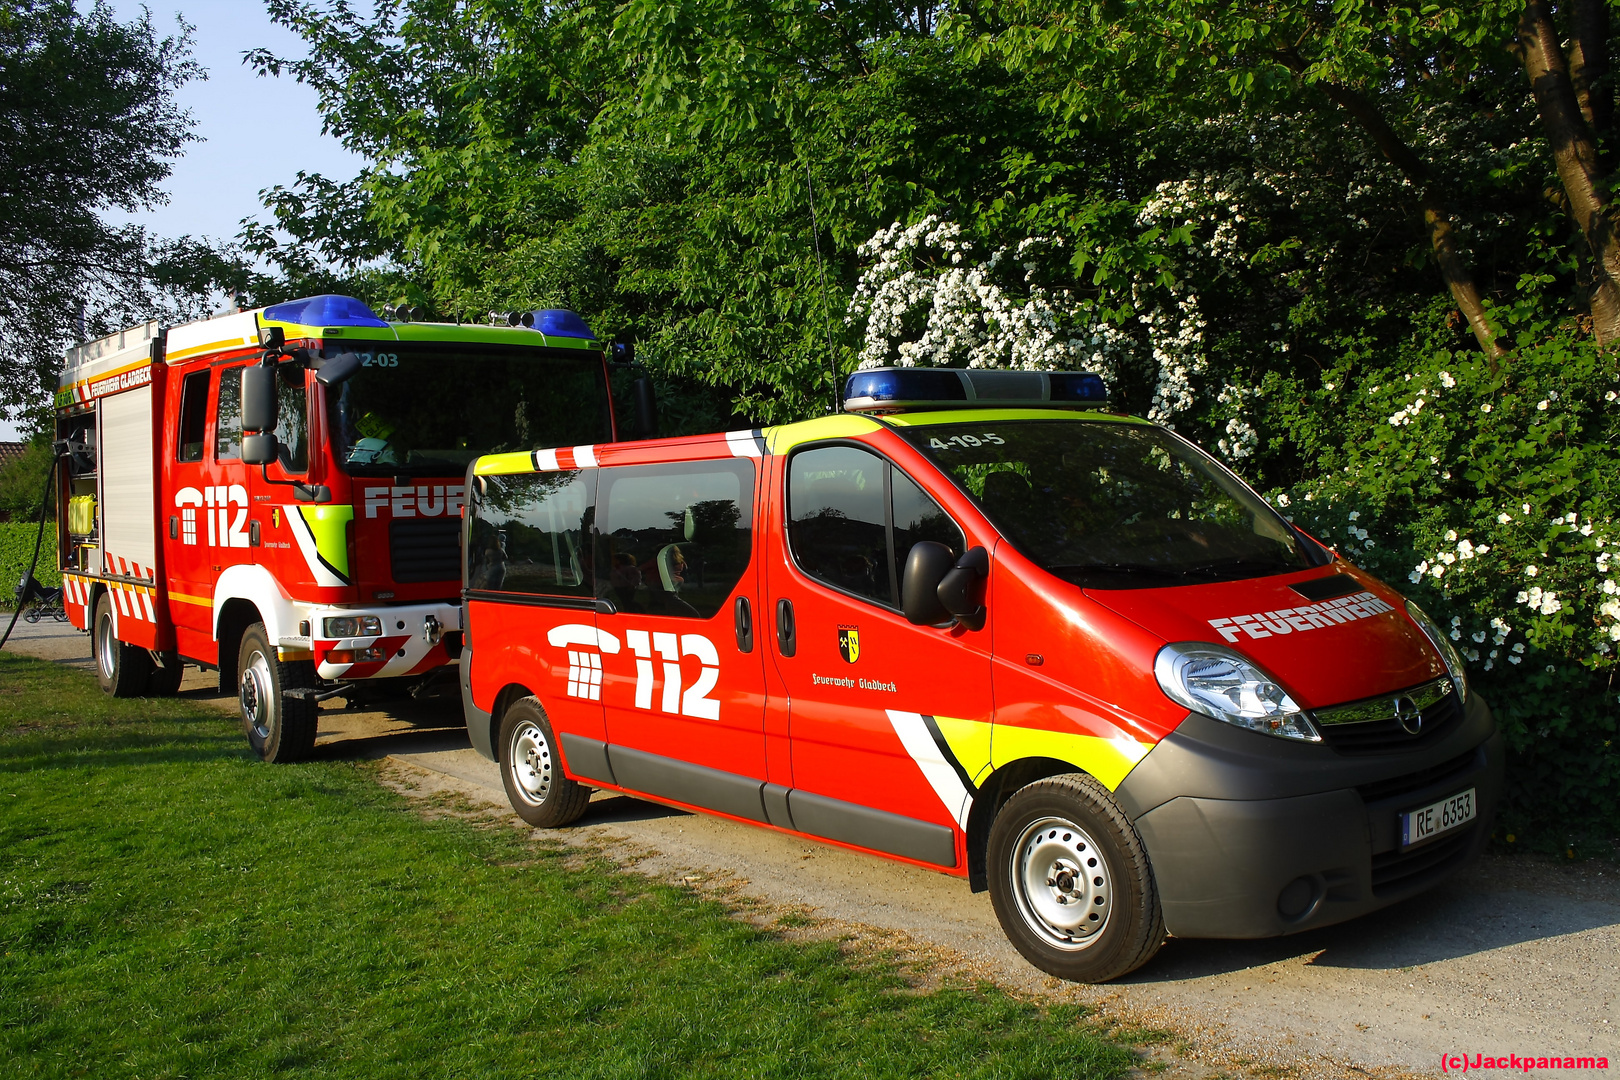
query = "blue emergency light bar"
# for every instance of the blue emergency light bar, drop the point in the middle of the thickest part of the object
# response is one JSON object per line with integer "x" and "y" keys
{"x": 326, "y": 310}
{"x": 894, "y": 389}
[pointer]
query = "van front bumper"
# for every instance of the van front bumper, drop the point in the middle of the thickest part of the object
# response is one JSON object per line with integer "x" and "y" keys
{"x": 1253, "y": 836}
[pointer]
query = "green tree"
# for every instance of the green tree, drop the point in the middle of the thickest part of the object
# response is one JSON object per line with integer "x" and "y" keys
{"x": 88, "y": 123}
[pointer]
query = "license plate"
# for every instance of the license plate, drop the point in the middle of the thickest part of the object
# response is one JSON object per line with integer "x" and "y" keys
{"x": 1436, "y": 818}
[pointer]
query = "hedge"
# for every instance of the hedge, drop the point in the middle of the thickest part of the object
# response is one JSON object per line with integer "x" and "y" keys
{"x": 17, "y": 548}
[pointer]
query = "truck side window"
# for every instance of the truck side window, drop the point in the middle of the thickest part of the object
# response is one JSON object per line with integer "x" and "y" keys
{"x": 530, "y": 534}
{"x": 292, "y": 425}
{"x": 852, "y": 519}
{"x": 675, "y": 539}
{"x": 193, "y": 416}
{"x": 228, "y": 416}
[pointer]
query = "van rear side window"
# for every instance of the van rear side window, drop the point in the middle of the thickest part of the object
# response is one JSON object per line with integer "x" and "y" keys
{"x": 531, "y": 534}
{"x": 675, "y": 539}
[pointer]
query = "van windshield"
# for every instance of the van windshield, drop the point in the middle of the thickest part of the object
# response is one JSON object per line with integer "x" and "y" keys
{"x": 1113, "y": 506}
{"x": 428, "y": 409}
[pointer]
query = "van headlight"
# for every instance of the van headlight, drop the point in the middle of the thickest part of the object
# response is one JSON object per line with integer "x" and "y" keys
{"x": 1224, "y": 684}
{"x": 1442, "y": 644}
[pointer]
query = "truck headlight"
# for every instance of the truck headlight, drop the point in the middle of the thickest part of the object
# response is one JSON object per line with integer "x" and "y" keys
{"x": 347, "y": 626}
{"x": 1442, "y": 644}
{"x": 1224, "y": 684}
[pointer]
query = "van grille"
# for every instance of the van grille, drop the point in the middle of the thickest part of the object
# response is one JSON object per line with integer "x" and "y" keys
{"x": 1397, "y": 871}
{"x": 425, "y": 550}
{"x": 1411, "y": 782}
{"x": 1370, "y": 726}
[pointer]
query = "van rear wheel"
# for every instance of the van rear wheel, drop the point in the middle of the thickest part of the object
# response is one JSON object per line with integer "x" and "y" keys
{"x": 122, "y": 670}
{"x": 1071, "y": 883}
{"x": 278, "y": 728}
{"x": 532, "y": 772}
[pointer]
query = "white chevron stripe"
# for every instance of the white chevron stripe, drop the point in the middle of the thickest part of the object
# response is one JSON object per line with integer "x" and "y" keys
{"x": 919, "y": 743}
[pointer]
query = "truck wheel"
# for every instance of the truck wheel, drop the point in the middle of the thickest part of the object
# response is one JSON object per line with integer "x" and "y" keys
{"x": 166, "y": 675}
{"x": 532, "y": 771}
{"x": 279, "y": 729}
{"x": 122, "y": 670}
{"x": 1070, "y": 881}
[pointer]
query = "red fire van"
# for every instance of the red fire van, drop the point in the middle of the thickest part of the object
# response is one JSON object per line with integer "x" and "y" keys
{"x": 977, "y": 624}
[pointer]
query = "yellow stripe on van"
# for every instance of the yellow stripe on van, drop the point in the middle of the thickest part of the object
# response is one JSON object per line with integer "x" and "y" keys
{"x": 1109, "y": 760}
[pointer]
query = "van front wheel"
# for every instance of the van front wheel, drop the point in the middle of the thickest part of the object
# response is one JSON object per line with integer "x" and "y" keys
{"x": 1071, "y": 883}
{"x": 532, "y": 770}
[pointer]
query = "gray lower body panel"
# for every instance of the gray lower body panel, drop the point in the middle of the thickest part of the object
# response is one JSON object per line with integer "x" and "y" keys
{"x": 755, "y": 800}
{"x": 479, "y": 731}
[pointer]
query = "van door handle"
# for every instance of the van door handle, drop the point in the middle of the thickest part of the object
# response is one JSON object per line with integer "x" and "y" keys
{"x": 744, "y": 616}
{"x": 786, "y": 641}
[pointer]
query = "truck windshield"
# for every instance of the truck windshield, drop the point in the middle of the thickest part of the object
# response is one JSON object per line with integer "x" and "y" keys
{"x": 422, "y": 409}
{"x": 1113, "y": 506}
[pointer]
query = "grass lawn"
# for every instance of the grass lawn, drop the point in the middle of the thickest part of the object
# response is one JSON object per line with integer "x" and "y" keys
{"x": 169, "y": 908}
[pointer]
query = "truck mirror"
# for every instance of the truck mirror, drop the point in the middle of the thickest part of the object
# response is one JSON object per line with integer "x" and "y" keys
{"x": 339, "y": 369}
{"x": 260, "y": 403}
{"x": 272, "y": 337}
{"x": 646, "y": 408}
{"x": 926, "y": 566}
{"x": 259, "y": 449}
{"x": 962, "y": 591}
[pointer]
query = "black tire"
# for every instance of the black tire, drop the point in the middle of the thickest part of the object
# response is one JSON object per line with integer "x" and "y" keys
{"x": 278, "y": 728}
{"x": 531, "y": 769}
{"x": 1071, "y": 883}
{"x": 166, "y": 675}
{"x": 122, "y": 670}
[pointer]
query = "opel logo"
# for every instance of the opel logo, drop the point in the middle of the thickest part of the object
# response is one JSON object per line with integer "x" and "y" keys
{"x": 1408, "y": 715}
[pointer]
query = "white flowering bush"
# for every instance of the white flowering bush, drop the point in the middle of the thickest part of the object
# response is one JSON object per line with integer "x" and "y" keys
{"x": 928, "y": 296}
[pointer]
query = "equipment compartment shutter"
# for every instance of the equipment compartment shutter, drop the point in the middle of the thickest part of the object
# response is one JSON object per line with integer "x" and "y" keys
{"x": 128, "y": 508}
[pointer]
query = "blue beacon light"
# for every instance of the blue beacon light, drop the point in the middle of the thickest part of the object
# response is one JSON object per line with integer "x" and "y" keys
{"x": 896, "y": 389}
{"x": 329, "y": 309}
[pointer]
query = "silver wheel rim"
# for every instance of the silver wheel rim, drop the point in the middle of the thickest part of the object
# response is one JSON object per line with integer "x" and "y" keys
{"x": 1061, "y": 883}
{"x": 531, "y": 762}
{"x": 254, "y": 691}
{"x": 105, "y": 644}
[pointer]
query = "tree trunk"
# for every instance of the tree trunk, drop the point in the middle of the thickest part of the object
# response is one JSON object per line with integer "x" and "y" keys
{"x": 1575, "y": 154}
{"x": 1589, "y": 65}
{"x": 1442, "y": 234}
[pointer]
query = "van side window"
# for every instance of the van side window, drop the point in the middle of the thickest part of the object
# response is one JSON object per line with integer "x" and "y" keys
{"x": 530, "y": 534}
{"x": 675, "y": 539}
{"x": 193, "y": 416}
{"x": 228, "y": 416}
{"x": 853, "y": 518}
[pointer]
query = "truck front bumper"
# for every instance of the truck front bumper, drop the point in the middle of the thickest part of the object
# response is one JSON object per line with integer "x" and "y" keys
{"x": 415, "y": 639}
{"x": 1256, "y": 837}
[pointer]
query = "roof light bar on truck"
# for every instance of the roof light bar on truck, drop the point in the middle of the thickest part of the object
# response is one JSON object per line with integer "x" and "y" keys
{"x": 895, "y": 389}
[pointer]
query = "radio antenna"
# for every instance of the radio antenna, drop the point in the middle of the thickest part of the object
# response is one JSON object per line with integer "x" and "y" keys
{"x": 821, "y": 270}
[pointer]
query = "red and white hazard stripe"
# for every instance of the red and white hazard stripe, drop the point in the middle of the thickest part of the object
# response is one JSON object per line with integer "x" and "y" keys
{"x": 117, "y": 564}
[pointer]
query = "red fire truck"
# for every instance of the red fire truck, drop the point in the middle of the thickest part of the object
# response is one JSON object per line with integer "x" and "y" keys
{"x": 980, "y": 625}
{"x": 276, "y": 493}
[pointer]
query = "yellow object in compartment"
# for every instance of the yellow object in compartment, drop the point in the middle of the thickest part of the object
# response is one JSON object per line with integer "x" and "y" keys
{"x": 82, "y": 515}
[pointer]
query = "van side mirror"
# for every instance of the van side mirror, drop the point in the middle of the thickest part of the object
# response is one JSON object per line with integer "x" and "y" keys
{"x": 259, "y": 449}
{"x": 260, "y": 403}
{"x": 339, "y": 369}
{"x": 926, "y": 567}
{"x": 962, "y": 590}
